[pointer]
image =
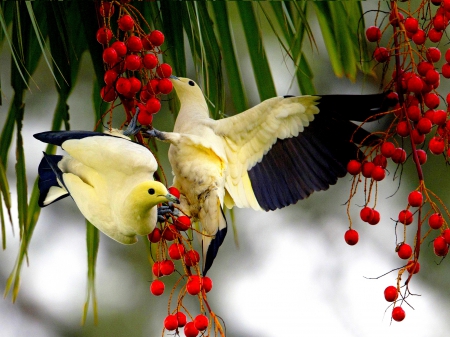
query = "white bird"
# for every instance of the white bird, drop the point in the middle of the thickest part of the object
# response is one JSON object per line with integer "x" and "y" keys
{"x": 109, "y": 177}
{"x": 267, "y": 157}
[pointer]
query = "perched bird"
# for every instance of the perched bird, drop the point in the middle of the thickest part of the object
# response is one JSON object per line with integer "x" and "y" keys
{"x": 109, "y": 177}
{"x": 265, "y": 158}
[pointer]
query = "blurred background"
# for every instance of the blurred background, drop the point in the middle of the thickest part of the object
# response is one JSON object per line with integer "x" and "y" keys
{"x": 291, "y": 272}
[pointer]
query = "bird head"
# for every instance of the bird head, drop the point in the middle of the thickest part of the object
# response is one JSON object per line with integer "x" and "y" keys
{"x": 149, "y": 194}
{"x": 187, "y": 90}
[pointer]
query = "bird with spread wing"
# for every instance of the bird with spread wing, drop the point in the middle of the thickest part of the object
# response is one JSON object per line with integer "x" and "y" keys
{"x": 109, "y": 177}
{"x": 265, "y": 158}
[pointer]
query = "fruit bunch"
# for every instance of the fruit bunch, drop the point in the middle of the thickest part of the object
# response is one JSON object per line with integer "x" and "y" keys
{"x": 134, "y": 73}
{"x": 173, "y": 246}
{"x": 420, "y": 125}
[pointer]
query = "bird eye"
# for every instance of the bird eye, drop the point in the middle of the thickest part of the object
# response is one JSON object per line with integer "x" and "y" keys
{"x": 151, "y": 191}
{"x": 191, "y": 83}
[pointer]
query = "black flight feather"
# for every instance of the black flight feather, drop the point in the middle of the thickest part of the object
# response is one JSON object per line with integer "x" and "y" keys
{"x": 296, "y": 167}
{"x": 49, "y": 173}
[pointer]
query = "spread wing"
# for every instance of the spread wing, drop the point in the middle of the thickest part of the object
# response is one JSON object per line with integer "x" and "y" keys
{"x": 250, "y": 135}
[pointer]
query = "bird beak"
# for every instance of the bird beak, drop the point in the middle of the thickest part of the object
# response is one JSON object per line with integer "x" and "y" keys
{"x": 172, "y": 198}
{"x": 173, "y": 77}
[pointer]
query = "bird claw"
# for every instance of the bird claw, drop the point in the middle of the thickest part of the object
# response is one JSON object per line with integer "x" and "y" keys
{"x": 164, "y": 210}
{"x": 133, "y": 128}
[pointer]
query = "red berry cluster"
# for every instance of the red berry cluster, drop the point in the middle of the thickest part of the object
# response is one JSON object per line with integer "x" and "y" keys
{"x": 173, "y": 244}
{"x": 420, "y": 125}
{"x": 134, "y": 72}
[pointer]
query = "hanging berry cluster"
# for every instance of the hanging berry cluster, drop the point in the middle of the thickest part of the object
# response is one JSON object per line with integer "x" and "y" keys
{"x": 173, "y": 241}
{"x": 135, "y": 76}
{"x": 134, "y": 73}
{"x": 420, "y": 125}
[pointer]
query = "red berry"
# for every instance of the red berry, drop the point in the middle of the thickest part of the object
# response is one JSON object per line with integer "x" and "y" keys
{"x": 165, "y": 86}
{"x": 433, "y": 54}
{"x": 150, "y": 61}
{"x": 183, "y": 223}
{"x": 106, "y": 9}
{"x": 394, "y": 18}
{"x": 422, "y": 156}
{"x": 373, "y": 34}
{"x": 381, "y": 54}
{"x": 434, "y": 35}
{"x": 435, "y": 221}
{"x": 423, "y": 67}
{"x": 413, "y": 112}
{"x": 171, "y": 322}
{"x": 351, "y": 237}
{"x": 415, "y": 84}
{"x": 181, "y": 319}
{"x": 135, "y": 84}
{"x": 390, "y": 294}
{"x": 145, "y": 118}
{"x": 419, "y": 37}
{"x": 439, "y": 117}
{"x": 207, "y": 284}
{"x": 110, "y": 56}
{"x": 399, "y": 156}
{"x": 170, "y": 233}
{"x": 436, "y": 145}
{"x": 446, "y": 235}
{"x": 417, "y": 137}
{"x": 440, "y": 22}
{"x": 145, "y": 96}
{"x": 164, "y": 70}
{"x": 156, "y": 38}
{"x": 157, "y": 287}
{"x": 404, "y": 251}
{"x": 440, "y": 246}
{"x": 152, "y": 86}
{"x": 354, "y": 167}
{"x": 191, "y": 258}
{"x": 366, "y": 214}
{"x": 104, "y": 35}
{"x": 201, "y": 322}
{"x": 108, "y": 93}
{"x": 367, "y": 168}
{"x": 167, "y": 267}
{"x": 155, "y": 235}
{"x": 432, "y": 77}
{"x": 387, "y": 149}
{"x": 446, "y": 70}
{"x": 403, "y": 129}
{"x": 110, "y": 77}
{"x": 398, "y": 314}
{"x": 431, "y": 100}
{"x": 176, "y": 251}
{"x": 156, "y": 269}
{"x": 424, "y": 125}
{"x": 120, "y": 48}
{"x": 132, "y": 62}
{"x": 123, "y": 85}
{"x": 194, "y": 285}
{"x": 413, "y": 267}
{"x": 190, "y": 330}
{"x": 378, "y": 173}
{"x": 411, "y": 25}
{"x": 126, "y": 22}
{"x": 134, "y": 44}
{"x": 153, "y": 105}
{"x": 174, "y": 191}
{"x": 405, "y": 217}
{"x": 380, "y": 160}
{"x": 415, "y": 198}
{"x": 375, "y": 218}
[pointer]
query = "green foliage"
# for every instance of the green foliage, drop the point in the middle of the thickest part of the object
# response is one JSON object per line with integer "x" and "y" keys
{"x": 70, "y": 28}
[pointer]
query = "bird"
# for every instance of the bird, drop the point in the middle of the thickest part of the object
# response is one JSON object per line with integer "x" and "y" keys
{"x": 109, "y": 177}
{"x": 265, "y": 158}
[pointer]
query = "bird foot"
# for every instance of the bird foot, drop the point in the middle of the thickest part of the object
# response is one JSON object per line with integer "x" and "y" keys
{"x": 155, "y": 133}
{"x": 133, "y": 128}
